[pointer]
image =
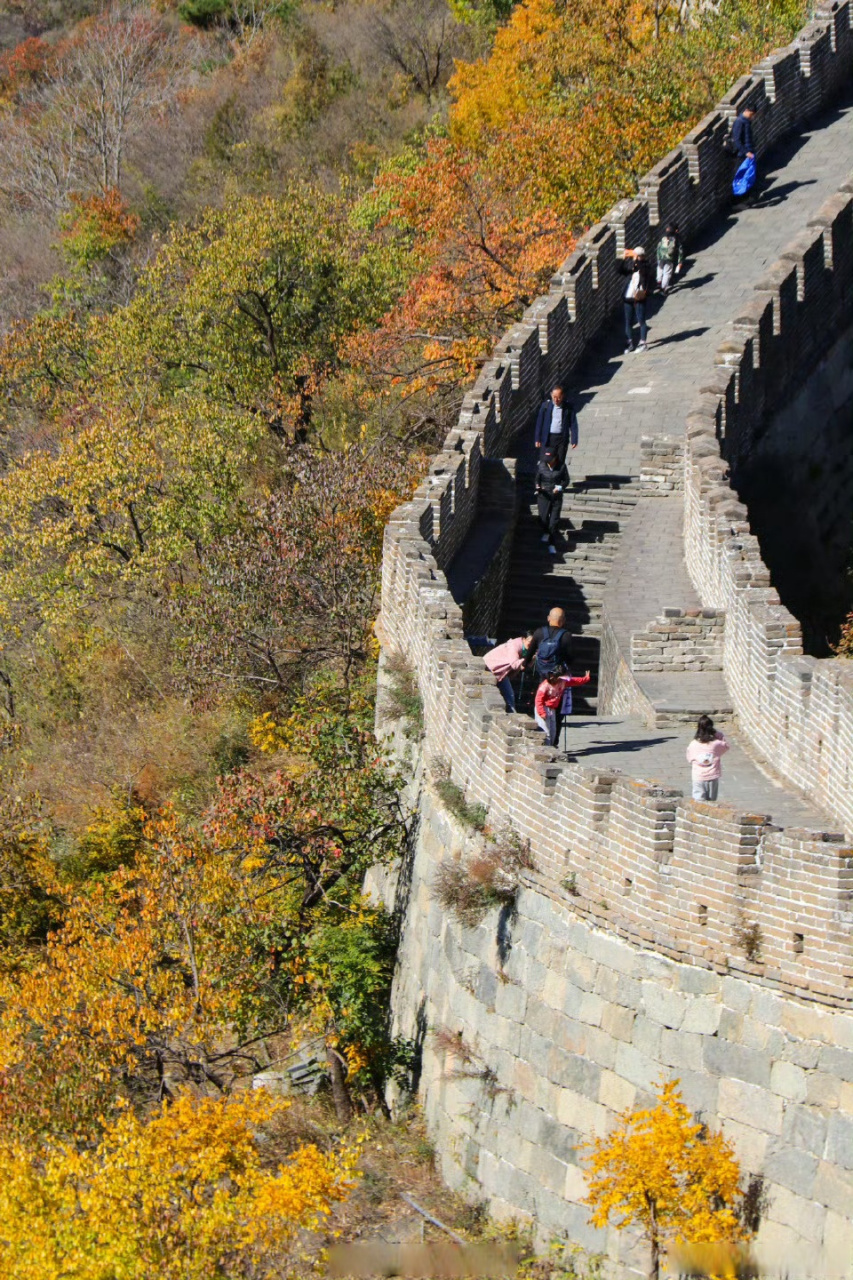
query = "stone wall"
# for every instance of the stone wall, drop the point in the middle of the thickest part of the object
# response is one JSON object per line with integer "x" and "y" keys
{"x": 657, "y": 936}
{"x": 680, "y": 640}
{"x": 795, "y": 476}
{"x": 661, "y": 464}
{"x": 604, "y": 830}
{"x": 690, "y": 185}
{"x": 798, "y": 710}
{"x": 586, "y": 822}
{"x": 568, "y": 1025}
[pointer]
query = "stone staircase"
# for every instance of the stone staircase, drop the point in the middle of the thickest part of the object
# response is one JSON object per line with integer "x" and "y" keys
{"x": 595, "y": 512}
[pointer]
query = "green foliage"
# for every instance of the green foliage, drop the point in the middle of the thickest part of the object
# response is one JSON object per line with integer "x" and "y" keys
{"x": 483, "y": 13}
{"x": 208, "y": 13}
{"x": 356, "y": 958}
{"x": 204, "y": 13}
{"x": 111, "y": 840}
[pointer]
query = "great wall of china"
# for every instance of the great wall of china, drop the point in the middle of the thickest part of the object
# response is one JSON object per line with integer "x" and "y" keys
{"x": 624, "y": 958}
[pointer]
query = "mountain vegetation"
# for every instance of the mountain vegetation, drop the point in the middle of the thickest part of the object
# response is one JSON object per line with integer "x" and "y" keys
{"x": 253, "y": 252}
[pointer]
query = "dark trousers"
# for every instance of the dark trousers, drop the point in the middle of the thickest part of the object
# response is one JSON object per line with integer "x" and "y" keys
{"x": 550, "y": 507}
{"x": 631, "y": 309}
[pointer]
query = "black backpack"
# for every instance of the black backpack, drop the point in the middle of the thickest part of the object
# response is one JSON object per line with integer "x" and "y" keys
{"x": 548, "y": 653}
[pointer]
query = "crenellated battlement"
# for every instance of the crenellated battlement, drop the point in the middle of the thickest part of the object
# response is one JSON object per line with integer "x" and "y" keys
{"x": 643, "y": 861}
{"x": 798, "y": 710}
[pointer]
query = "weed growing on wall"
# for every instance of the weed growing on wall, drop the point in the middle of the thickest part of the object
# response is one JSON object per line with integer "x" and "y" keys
{"x": 469, "y": 889}
{"x": 403, "y": 699}
{"x": 748, "y": 938}
{"x": 453, "y": 798}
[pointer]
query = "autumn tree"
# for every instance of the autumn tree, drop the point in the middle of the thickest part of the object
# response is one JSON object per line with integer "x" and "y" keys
{"x": 668, "y": 1175}
{"x": 574, "y": 103}
{"x": 144, "y": 442}
{"x": 170, "y": 965}
{"x": 296, "y": 588}
{"x": 68, "y": 127}
{"x": 189, "y": 1192}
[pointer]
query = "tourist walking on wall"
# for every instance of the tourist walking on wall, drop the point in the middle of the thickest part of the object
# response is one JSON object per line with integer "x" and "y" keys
{"x": 552, "y": 479}
{"x": 742, "y": 142}
{"x": 742, "y": 145}
{"x": 556, "y": 425}
{"x": 553, "y": 702}
{"x": 704, "y": 754}
{"x": 670, "y": 257}
{"x": 551, "y": 646}
{"x": 637, "y": 268}
{"x": 503, "y": 661}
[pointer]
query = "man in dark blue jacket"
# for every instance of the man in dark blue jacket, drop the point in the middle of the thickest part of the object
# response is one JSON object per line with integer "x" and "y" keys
{"x": 742, "y": 140}
{"x": 556, "y": 426}
{"x": 743, "y": 146}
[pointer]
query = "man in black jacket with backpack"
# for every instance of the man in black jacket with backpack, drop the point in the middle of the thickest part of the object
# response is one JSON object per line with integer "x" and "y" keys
{"x": 551, "y": 646}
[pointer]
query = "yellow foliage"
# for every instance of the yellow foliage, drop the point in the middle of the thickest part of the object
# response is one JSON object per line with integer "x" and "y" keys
{"x": 666, "y": 1173}
{"x": 186, "y": 1195}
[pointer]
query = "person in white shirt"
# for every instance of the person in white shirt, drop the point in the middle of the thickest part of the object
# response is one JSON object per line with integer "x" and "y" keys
{"x": 637, "y": 291}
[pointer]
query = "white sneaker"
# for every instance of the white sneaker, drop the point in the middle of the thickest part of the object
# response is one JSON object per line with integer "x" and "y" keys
{"x": 552, "y": 549}
{"x": 642, "y": 346}
{"x": 544, "y": 537}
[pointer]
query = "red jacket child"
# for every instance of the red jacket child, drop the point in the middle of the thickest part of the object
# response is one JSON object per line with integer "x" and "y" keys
{"x": 550, "y": 692}
{"x": 549, "y": 702}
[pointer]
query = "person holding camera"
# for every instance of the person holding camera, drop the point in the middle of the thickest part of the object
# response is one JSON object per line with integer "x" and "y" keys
{"x": 635, "y": 266}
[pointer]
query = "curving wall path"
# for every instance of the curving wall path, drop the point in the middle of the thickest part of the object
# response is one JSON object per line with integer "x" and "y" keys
{"x": 588, "y": 818}
{"x": 665, "y": 583}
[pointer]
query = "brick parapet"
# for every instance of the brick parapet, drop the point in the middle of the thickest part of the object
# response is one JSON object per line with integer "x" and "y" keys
{"x": 680, "y": 640}
{"x": 586, "y": 823}
{"x": 797, "y": 711}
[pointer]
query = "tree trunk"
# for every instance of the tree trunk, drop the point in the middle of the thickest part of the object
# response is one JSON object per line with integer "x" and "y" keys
{"x": 340, "y": 1092}
{"x": 654, "y": 1241}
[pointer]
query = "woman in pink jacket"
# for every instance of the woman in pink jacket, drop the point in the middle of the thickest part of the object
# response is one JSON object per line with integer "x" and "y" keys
{"x": 505, "y": 659}
{"x": 704, "y": 754}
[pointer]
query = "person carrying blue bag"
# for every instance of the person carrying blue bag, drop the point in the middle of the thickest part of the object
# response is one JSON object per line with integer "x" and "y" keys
{"x": 740, "y": 143}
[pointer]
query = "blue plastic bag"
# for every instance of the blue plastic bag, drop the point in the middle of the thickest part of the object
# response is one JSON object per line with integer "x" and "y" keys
{"x": 744, "y": 179}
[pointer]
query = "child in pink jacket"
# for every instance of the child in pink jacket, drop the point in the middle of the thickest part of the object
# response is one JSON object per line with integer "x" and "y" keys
{"x": 505, "y": 659}
{"x": 704, "y": 754}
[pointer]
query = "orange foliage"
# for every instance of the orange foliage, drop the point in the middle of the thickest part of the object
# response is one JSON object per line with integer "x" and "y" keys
{"x": 574, "y": 104}
{"x": 23, "y": 67}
